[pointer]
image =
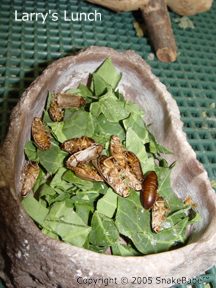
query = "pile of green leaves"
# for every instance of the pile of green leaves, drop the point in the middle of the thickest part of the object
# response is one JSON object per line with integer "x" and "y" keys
{"x": 90, "y": 214}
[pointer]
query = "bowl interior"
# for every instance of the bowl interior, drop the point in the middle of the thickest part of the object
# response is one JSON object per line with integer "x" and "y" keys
{"x": 145, "y": 90}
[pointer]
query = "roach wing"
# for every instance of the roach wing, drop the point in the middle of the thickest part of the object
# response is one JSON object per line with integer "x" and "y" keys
{"x": 86, "y": 155}
{"x": 134, "y": 164}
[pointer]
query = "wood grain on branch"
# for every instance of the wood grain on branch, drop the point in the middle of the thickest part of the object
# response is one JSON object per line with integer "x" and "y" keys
{"x": 159, "y": 29}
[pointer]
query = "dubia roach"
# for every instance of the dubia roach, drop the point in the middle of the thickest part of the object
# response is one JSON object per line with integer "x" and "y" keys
{"x": 159, "y": 214}
{"x": 148, "y": 194}
{"x": 30, "y": 173}
{"x": 77, "y": 144}
{"x": 130, "y": 179}
{"x": 87, "y": 171}
{"x": 117, "y": 151}
{"x": 40, "y": 134}
{"x": 110, "y": 172}
{"x": 68, "y": 100}
{"x": 56, "y": 113}
{"x": 127, "y": 160}
{"x": 61, "y": 101}
{"x": 134, "y": 164}
{"x": 116, "y": 169}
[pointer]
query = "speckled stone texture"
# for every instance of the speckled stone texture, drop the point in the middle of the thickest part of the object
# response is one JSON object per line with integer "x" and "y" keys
{"x": 30, "y": 259}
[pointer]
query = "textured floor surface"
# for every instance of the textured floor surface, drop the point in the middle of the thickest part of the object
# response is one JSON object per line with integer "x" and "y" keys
{"x": 26, "y": 48}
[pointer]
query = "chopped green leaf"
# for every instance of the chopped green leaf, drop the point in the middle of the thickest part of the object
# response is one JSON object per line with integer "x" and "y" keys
{"x": 108, "y": 203}
{"x": 136, "y": 145}
{"x": 57, "y": 131}
{"x": 51, "y": 159}
{"x": 84, "y": 91}
{"x": 95, "y": 109}
{"x": 104, "y": 232}
{"x": 136, "y": 226}
{"x": 66, "y": 223}
{"x": 104, "y": 129}
{"x": 112, "y": 108}
{"x": 47, "y": 193}
{"x": 35, "y": 210}
{"x": 41, "y": 179}
{"x": 108, "y": 73}
{"x": 60, "y": 211}
{"x": 135, "y": 123}
{"x": 124, "y": 250}
{"x": 100, "y": 86}
{"x": 155, "y": 147}
{"x": 31, "y": 151}
{"x": 58, "y": 182}
{"x": 79, "y": 124}
{"x": 84, "y": 210}
{"x": 50, "y": 234}
{"x": 165, "y": 190}
{"x": 69, "y": 176}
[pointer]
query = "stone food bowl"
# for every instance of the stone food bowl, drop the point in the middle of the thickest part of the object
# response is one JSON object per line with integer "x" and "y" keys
{"x": 29, "y": 258}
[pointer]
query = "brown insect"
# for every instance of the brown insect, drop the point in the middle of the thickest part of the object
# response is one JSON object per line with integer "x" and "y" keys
{"x": 110, "y": 172}
{"x": 61, "y": 101}
{"x": 117, "y": 151}
{"x": 56, "y": 113}
{"x": 148, "y": 194}
{"x": 67, "y": 100}
{"x": 87, "y": 172}
{"x": 40, "y": 134}
{"x": 77, "y": 144}
{"x": 115, "y": 169}
{"x": 159, "y": 213}
{"x": 90, "y": 153}
{"x": 134, "y": 164}
{"x": 30, "y": 173}
{"x": 118, "y": 178}
{"x": 129, "y": 165}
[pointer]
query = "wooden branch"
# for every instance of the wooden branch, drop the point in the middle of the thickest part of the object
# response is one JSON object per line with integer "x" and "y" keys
{"x": 159, "y": 29}
{"x": 157, "y": 21}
